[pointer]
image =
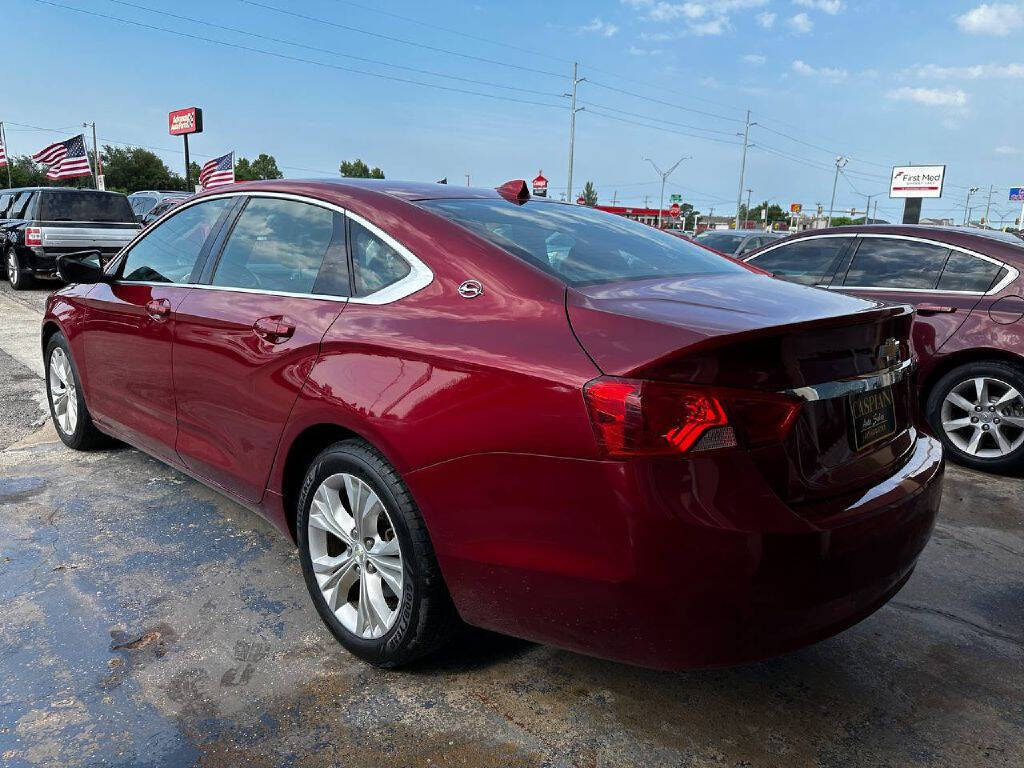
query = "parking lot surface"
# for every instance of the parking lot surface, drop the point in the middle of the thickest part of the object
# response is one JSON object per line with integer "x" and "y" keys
{"x": 148, "y": 621}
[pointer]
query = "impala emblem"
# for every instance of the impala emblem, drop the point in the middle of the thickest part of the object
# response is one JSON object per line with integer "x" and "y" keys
{"x": 471, "y": 289}
{"x": 889, "y": 353}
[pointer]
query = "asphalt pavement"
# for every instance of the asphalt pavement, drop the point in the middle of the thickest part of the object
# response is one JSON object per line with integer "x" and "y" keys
{"x": 148, "y": 621}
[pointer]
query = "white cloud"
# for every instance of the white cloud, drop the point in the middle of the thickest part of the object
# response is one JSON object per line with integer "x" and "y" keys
{"x": 970, "y": 72}
{"x": 755, "y": 59}
{"x": 714, "y": 26}
{"x": 766, "y": 20}
{"x": 801, "y": 24}
{"x": 603, "y": 28}
{"x": 824, "y": 73}
{"x": 635, "y": 51}
{"x": 831, "y": 7}
{"x": 997, "y": 19}
{"x": 700, "y": 17}
{"x": 932, "y": 97}
{"x": 1004, "y": 150}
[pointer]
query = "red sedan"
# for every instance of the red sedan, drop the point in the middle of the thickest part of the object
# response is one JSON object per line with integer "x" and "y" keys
{"x": 533, "y": 417}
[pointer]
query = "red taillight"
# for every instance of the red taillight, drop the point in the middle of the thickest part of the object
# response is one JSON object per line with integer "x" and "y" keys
{"x": 633, "y": 417}
{"x": 33, "y": 236}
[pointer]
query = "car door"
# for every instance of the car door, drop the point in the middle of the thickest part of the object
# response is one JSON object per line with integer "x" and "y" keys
{"x": 806, "y": 260}
{"x": 248, "y": 336}
{"x": 127, "y": 332}
{"x": 908, "y": 270}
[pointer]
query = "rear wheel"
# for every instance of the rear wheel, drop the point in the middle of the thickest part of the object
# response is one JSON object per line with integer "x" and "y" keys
{"x": 978, "y": 412}
{"x": 367, "y": 559}
{"x": 16, "y": 274}
{"x": 67, "y": 405}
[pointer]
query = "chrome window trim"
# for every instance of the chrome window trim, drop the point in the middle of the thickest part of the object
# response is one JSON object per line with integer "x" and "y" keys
{"x": 1012, "y": 273}
{"x": 843, "y": 387}
{"x": 419, "y": 277}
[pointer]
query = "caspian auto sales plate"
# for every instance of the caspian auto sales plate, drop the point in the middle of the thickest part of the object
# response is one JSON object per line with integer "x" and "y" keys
{"x": 873, "y": 415}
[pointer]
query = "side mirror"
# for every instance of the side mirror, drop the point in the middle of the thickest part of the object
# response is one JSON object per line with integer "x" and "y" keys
{"x": 82, "y": 267}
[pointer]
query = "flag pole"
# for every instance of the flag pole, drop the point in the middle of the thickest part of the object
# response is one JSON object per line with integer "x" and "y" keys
{"x": 95, "y": 155}
{"x": 7, "y": 153}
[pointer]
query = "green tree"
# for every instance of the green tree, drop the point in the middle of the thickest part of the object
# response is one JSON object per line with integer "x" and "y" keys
{"x": 357, "y": 169}
{"x": 841, "y": 221}
{"x": 589, "y": 194}
{"x": 263, "y": 167}
{"x": 129, "y": 169}
{"x": 775, "y": 213}
{"x": 25, "y": 173}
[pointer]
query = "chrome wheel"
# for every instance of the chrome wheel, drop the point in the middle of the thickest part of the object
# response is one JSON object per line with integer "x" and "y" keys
{"x": 355, "y": 555}
{"x": 984, "y": 417}
{"x": 13, "y": 273}
{"x": 63, "y": 394}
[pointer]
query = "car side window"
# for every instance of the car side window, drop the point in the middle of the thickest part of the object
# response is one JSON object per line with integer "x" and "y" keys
{"x": 375, "y": 263}
{"x": 276, "y": 245}
{"x": 964, "y": 272}
{"x": 882, "y": 262}
{"x": 809, "y": 262}
{"x": 20, "y": 205}
{"x": 168, "y": 253}
{"x": 143, "y": 205}
{"x": 5, "y": 203}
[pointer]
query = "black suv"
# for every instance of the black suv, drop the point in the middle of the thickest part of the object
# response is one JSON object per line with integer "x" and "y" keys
{"x": 38, "y": 224}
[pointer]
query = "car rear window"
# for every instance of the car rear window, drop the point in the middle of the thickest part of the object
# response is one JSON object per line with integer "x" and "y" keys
{"x": 85, "y": 206}
{"x": 721, "y": 241}
{"x": 578, "y": 244}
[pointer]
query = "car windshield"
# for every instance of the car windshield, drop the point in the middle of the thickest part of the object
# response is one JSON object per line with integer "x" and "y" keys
{"x": 578, "y": 244}
{"x": 727, "y": 242}
{"x": 85, "y": 206}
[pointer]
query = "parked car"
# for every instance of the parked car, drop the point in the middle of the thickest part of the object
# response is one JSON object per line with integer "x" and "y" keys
{"x": 38, "y": 224}
{"x": 535, "y": 417}
{"x": 736, "y": 242}
{"x": 968, "y": 335}
{"x": 145, "y": 201}
{"x": 163, "y": 206}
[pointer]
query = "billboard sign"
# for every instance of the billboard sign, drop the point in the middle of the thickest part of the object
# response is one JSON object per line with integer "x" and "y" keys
{"x": 917, "y": 181}
{"x": 540, "y": 186}
{"x": 795, "y": 208}
{"x": 184, "y": 121}
{"x": 1017, "y": 194}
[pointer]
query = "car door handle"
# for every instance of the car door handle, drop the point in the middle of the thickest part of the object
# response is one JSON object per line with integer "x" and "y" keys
{"x": 158, "y": 309}
{"x": 934, "y": 309}
{"x": 273, "y": 329}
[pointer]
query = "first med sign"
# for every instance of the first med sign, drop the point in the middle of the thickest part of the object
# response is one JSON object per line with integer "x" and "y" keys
{"x": 184, "y": 121}
{"x": 917, "y": 181}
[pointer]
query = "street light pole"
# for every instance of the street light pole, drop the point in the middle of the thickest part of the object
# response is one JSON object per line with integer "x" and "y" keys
{"x": 840, "y": 164}
{"x": 573, "y": 109}
{"x": 743, "y": 165}
{"x": 664, "y": 175}
{"x": 746, "y": 212}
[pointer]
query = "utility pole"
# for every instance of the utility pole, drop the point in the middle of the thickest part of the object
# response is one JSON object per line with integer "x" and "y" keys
{"x": 746, "y": 212}
{"x": 743, "y": 166}
{"x": 988, "y": 205}
{"x": 573, "y": 109}
{"x": 967, "y": 208}
{"x": 646, "y": 198}
{"x": 7, "y": 153}
{"x": 467, "y": 178}
{"x": 664, "y": 175}
{"x": 97, "y": 170}
{"x": 875, "y": 217}
{"x": 840, "y": 164}
{"x": 867, "y": 208}
{"x": 615, "y": 197}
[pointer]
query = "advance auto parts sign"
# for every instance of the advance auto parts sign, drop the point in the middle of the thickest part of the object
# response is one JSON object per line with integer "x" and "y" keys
{"x": 917, "y": 181}
{"x": 182, "y": 121}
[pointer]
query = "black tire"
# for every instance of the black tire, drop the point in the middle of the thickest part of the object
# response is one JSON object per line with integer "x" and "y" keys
{"x": 1013, "y": 375}
{"x": 19, "y": 278}
{"x": 425, "y": 616}
{"x": 85, "y": 436}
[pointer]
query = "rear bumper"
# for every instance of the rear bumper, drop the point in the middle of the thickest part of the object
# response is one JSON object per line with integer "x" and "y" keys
{"x": 671, "y": 564}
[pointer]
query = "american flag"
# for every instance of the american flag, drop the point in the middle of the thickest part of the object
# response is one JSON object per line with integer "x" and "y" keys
{"x": 3, "y": 152}
{"x": 217, "y": 172}
{"x": 67, "y": 159}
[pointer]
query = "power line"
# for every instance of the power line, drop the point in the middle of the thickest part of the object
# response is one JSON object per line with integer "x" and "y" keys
{"x": 390, "y": 38}
{"x": 286, "y": 57}
{"x": 656, "y": 119}
{"x": 657, "y": 101}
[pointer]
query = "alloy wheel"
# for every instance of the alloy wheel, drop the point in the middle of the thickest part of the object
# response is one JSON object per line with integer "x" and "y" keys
{"x": 63, "y": 394}
{"x": 984, "y": 417}
{"x": 355, "y": 555}
{"x": 13, "y": 273}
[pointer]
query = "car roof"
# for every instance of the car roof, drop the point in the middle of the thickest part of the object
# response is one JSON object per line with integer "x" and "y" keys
{"x": 403, "y": 190}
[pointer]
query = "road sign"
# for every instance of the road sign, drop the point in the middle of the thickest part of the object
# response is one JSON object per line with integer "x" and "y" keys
{"x": 675, "y": 198}
{"x": 796, "y": 207}
{"x": 540, "y": 185}
{"x": 1016, "y": 194}
{"x": 674, "y": 210}
{"x": 917, "y": 181}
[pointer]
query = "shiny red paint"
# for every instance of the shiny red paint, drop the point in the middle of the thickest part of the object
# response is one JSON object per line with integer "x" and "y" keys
{"x": 669, "y": 561}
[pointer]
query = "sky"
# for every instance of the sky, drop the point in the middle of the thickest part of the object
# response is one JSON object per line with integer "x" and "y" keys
{"x": 446, "y": 89}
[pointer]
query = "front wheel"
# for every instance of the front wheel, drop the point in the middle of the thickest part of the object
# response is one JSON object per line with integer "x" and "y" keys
{"x": 16, "y": 275}
{"x": 67, "y": 404}
{"x": 367, "y": 559}
{"x": 977, "y": 410}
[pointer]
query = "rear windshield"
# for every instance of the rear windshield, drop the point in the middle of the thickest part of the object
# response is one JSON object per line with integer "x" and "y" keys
{"x": 721, "y": 241}
{"x": 578, "y": 244}
{"x": 85, "y": 206}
